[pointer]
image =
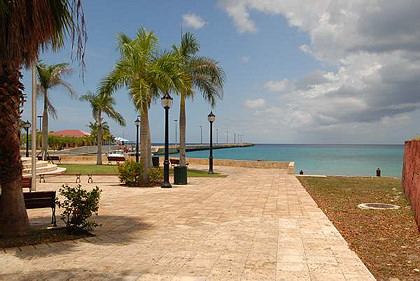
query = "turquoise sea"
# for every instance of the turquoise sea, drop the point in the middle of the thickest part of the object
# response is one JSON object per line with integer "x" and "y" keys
{"x": 348, "y": 160}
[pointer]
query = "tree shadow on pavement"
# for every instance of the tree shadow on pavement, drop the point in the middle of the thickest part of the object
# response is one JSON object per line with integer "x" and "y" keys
{"x": 113, "y": 230}
{"x": 68, "y": 274}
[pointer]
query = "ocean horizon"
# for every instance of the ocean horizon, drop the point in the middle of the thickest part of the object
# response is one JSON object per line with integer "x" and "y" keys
{"x": 322, "y": 159}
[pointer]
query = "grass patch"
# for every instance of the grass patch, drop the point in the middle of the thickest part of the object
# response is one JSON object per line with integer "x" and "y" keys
{"x": 85, "y": 169}
{"x": 202, "y": 174}
{"x": 387, "y": 241}
{"x": 40, "y": 236}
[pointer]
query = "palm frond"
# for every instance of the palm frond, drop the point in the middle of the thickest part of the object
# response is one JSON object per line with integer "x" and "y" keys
{"x": 51, "y": 110}
{"x": 27, "y": 27}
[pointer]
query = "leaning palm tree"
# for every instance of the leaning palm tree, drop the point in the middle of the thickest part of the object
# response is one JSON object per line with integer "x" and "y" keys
{"x": 205, "y": 76}
{"x": 146, "y": 74}
{"x": 49, "y": 77}
{"x": 26, "y": 27}
{"x": 102, "y": 103}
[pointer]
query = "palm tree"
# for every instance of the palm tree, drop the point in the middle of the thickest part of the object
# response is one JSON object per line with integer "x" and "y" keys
{"x": 102, "y": 103}
{"x": 51, "y": 76}
{"x": 205, "y": 76}
{"x": 146, "y": 74}
{"x": 26, "y": 27}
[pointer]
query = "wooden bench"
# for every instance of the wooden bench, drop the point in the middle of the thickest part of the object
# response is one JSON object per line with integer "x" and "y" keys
{"x": 90, "y": 176}
{"x": 51, "y": 158}
{"x": 175, "y": 162}
{"x": 41, "y": 199}
{"x": 42, "y": 177}
{"x": 116, "y": 159}
{"x": 27, "y": 183}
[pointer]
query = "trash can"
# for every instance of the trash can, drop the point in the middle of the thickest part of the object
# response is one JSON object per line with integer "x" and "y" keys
{"x": 155, "y": 161}
{"x": 180, "y": 175}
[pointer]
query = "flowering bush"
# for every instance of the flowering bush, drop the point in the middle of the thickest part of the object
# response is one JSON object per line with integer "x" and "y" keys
{"x": 79, "y": 205}
{"x": 155, "y": 176}
{"x": 131, "y": 174}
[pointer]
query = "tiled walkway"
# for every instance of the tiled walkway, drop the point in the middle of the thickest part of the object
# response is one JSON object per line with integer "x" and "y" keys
{"x": 256, "y": 224}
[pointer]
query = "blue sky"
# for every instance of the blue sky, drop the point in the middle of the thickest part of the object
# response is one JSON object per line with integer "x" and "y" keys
{"x": 290, "y": 77}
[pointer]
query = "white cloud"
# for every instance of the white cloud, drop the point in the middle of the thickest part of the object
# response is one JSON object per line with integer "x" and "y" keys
{"x": 255, "y": 104}
{"x": 238, "y": 11}
{"x": 245, "y": 59}
{"x": 372, "y": 47}
{"x": 193, "y": 20}
{"x": 276, "y": 86}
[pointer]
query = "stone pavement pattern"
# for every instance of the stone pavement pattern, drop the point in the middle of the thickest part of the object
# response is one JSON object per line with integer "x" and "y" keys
{"x": 256, "y": 224}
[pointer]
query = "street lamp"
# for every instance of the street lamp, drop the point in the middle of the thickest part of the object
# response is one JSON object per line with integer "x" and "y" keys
{"x": 137, "y": 122}
{"x": 201, "y": 130}
{"x": 40, "y": 121}
{"x": 211, "y": 117}
{"x": 40, "y": 128}
{"x": 26, "y": 125}
{"x": 166, "y": 104}
{"x": 176, "y": 132}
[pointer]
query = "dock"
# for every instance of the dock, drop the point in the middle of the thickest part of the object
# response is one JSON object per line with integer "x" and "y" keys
{"x": 173, "y": 149}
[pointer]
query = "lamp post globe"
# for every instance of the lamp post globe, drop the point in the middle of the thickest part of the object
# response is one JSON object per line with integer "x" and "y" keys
{"x": 137, "y": 122}
{"x": 26, "y": 125}
{"x": 166, "y": 102}
{"x": 211, "y": 118}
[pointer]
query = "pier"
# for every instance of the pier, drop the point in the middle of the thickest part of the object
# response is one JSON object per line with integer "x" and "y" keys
{"x": 156, "y": 149}
{"x": 173, "y": 149}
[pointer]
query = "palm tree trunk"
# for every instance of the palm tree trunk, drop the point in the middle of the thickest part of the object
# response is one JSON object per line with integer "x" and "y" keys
{"x": 182, "y": 131}
{"x": 99, "y": 156}
{"x": 13, "y": 217}
{"x": 144, "y": 141}
{"x": 45, "y": 127}
{"x": 149, "y": 148}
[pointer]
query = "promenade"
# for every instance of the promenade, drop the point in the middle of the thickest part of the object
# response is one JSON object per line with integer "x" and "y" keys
{"x": 255, "y": 224}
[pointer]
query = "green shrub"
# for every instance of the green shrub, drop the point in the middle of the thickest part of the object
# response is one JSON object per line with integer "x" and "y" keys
{"x": 131, "y": 174}
{"x": 79, "y": 205}
{"x": 155, "y": 176}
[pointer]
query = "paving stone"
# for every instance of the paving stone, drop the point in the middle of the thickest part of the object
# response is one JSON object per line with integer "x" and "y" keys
{"x": 255, "y": 224}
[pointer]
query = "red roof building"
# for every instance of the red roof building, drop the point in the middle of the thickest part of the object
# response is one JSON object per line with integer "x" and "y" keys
{"x": 70, "y": 133}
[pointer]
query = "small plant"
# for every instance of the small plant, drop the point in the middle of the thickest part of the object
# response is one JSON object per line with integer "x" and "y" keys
{"x": 155, "y": 176}
{"x": 130, "y": 173}
{"x": 79, "y": 205}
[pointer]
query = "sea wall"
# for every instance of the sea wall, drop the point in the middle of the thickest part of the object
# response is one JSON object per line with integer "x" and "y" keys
{"x": 289, "y": 166}
{"x": 411, "y": 176}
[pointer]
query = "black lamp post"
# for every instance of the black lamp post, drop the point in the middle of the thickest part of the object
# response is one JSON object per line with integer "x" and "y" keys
{"x": 201, "y": 134}
{"x": 137, "y": 122}
{"x": 166, "y": 103}
{"x": 26, "y": 125}
{"x": 211, "y": 117}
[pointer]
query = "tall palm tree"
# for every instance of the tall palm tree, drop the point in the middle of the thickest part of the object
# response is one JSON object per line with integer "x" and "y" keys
{"x": 49, "y": 77}
{"x": 26, "y": 27}
{"x": 146, "y": 73}
{"x": 205, "y": 76}
{"x": 102, "y": 103}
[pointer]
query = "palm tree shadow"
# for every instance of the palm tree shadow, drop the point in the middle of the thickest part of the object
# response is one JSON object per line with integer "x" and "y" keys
{"x": 67, "y": 274}
{"x": 112, "y": 230}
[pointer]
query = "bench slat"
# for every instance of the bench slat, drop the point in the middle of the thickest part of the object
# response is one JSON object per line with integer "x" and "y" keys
{"x": 39, "y": 194}
{"x": 39, "y": 203}
{"x": 116, "y": 158}
{"x": 41, "y": 199}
